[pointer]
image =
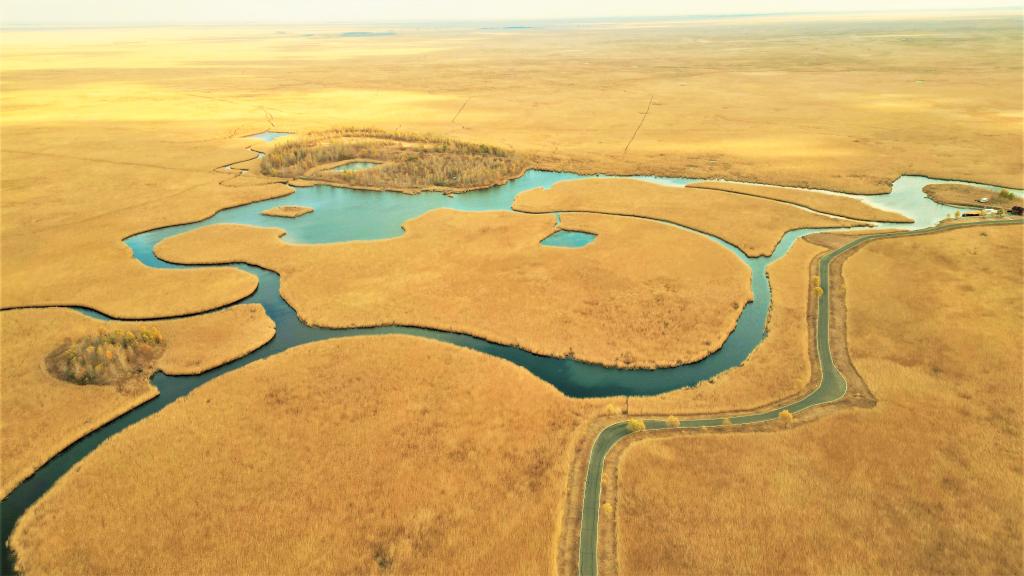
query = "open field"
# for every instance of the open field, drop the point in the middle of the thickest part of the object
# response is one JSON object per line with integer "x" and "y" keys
{"x": 642, "y": 294}
{"x": 165, "y": 106}
{"x": 754, "y": 225}
{"x": 288, "y": 211}
{"x": 41, "y": 415}
{"x": 817, "y": 201}
{"x": 927, "y": 481}
{"x": 406, "y": 162}
{"x": 304, "y": 462}
{"x": 67, "y": 204}
{"x": 967, "y": 195}
{"x": 303, "y": 440}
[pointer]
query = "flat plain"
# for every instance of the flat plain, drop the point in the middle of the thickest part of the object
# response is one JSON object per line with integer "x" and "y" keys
{"x": 107, "y": 133}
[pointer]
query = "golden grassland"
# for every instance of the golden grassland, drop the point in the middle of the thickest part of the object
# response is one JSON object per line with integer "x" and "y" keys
{"x": 407, "y": 162}
{"x": 860, "y": 93}
{"x": 846, "y": 207}
{"x": 41, "y": 414}
{"x": 781, "y": 365}
{"x": 287, "y": 211}
{"x": 967, "y": 195}
{"x": 106, "y": 133}
{"x": 928, "y": 481}
{"x": 754, "y": 225}
{"x": 642, "y": 294}
{"x": 66, "y": 209}
{"x": 382, "y": 454}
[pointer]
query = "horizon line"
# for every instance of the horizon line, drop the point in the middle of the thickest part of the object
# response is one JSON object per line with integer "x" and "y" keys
{"x": 515, "y": 20}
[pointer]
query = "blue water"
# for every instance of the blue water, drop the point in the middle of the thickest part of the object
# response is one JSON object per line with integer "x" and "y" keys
{"x": 352, "y": 166}
{"x": 569, "y": 239}
{"x": 343, "y": 215}
{"x": 268, "y": 136}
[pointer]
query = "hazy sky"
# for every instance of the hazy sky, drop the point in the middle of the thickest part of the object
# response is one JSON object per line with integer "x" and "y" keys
{"x": 85, "y": 12}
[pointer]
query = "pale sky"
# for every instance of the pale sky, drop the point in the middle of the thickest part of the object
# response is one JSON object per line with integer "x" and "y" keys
{"x": 121, "y": 12}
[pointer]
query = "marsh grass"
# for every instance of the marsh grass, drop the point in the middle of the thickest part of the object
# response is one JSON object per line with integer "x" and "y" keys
{"x": 968, "y": 195}
{"x": 407, "y": 161}
{"x": 107, "y": 357}
{"x": 393, "y": 460}
{"x": 926, "y": 482}
{"x": 42, "y": 413}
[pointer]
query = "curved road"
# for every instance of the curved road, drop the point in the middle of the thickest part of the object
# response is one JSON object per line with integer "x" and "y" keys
{"x": 831, "y": 388}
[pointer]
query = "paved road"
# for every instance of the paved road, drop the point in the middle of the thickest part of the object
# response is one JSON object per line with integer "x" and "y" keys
{"x": 831, "y": 388}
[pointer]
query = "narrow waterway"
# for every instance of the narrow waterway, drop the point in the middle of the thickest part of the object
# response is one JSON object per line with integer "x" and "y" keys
{"x": 343, "y": 215}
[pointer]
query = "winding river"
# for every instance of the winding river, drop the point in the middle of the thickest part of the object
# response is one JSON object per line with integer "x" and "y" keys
{"x": 343, "y": 215}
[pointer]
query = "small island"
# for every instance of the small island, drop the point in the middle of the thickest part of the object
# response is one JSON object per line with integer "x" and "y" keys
{"x": 287, "y": 211}
{"x": 968, "y": 195}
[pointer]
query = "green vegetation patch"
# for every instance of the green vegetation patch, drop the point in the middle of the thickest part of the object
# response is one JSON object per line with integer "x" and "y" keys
{"x": 407, "y": 161}
{"x": 109, "y": 357}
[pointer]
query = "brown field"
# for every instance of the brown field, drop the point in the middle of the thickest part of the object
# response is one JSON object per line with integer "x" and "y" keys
{"x": 41, "y": 415}
{"x": 165, "y": 107}
{"x": 642, "y": 294}
{"x": 395, "y": 460}
{"x": 407, "y": 162}
{"x": 827, "y": 203}
{"x": 928, "y": 481}
{"x": 779, "y": 368}
{"x": 967, "y": 195}
{"x": 753, "y": 225}
{"x": 288, "y": 211}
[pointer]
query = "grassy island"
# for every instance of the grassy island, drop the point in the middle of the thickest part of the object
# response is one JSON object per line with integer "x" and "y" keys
{"x": 407, "y": 162}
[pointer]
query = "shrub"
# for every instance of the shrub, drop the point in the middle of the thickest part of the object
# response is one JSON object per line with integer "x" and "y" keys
{"x": 727, "y": 422}
{"x": 786, "y": 417}
{"x": 607, "y": 509}
{"x": 672, "y": 421}
{"x": 636, "y": 425}
{"x": 108, "y": 357}
{"x": 818, "y": 290}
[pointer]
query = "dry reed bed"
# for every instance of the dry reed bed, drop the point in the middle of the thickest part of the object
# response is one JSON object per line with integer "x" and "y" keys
{"x": 754, "y": 225}
{"x": 287, "y": 211}
{"x": 928, "y": 481}
{"x": 967, "y": 195}
{"x": 779, "y": 368}
{"x": 642, "y": 294}
{"x": 384, "y": 454}
{"x": 67, "y": 205}
{"x": 157, "y": 132}
{"x": 846, "y": 207}
{"x": 408, "y": 162}
{"x": 41, "y": 415}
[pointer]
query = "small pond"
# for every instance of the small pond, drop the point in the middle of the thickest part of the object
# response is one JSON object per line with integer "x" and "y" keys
{"x": 569, "y": 239}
